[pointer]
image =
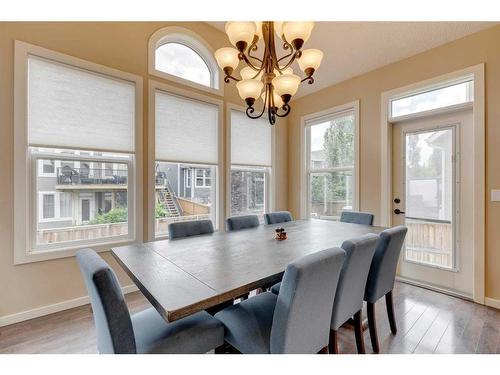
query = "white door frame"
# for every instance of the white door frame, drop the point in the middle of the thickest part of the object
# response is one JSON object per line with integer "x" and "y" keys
{"x": 477, "y": 73}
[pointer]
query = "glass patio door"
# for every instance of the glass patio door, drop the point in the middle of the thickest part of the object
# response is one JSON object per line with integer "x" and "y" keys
{"x": 429, "y": 200}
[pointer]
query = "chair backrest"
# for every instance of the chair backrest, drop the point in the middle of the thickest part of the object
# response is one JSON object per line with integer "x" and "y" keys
{"x": 242, "y": 222}
{"x": 277, "y": 217}
{"x": 385, "y": 261}
{"x": 189, "y": 228}
{"x": 115, "y": 333}
{"x": 356, "y": 217}
{"x": 301, "y": 322}
{"x": 352, "y": 281}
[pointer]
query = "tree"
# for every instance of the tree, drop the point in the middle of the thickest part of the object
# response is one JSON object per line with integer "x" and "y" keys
{"x": 338, "y": 147}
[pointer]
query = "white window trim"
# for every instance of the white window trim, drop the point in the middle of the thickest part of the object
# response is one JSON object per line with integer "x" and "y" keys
{"x": 306, "y": 170}
{"x": 219, "y": 188}
{"x": 270, "y": 188}
{"x": 57, "y": 208}
{"x": 25, "y": 168}
{"x": 175, "y": 34}
{"x": 41, "y": 173}
{"x": 203, "y": 177}
{"x": 477, "y": 73}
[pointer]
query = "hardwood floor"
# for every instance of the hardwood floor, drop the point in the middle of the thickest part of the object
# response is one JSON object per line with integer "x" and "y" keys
{"x": 428, "y": 322}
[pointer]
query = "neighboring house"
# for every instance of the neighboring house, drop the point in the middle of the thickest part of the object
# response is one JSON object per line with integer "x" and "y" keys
{"x": 75, "y": 192}
{"x": 318, "y": 159}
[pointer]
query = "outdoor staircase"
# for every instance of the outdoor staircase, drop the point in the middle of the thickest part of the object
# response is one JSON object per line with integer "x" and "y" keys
{"x": 166, "y": 197}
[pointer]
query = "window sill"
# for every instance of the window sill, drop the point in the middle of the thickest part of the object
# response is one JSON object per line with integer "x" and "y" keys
{"x": 69, "y": 250}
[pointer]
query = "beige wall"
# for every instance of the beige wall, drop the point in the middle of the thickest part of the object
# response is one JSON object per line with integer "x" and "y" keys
{"x": 474, "y": 49}
{"x": 118, "y": 45}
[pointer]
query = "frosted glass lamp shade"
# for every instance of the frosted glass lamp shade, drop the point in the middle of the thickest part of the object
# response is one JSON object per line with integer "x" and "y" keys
{"x": 297, "y": 33}
{"x": 288, "y": 70}
{"x": 286, "y": 84}
{"x": 240, "y": 33}
{"x": 258, "y": 29}
{"x": 227, "y": 57}
{"x": 310, "y": 59}
{"x": 278, "y": 27}
{"x": 278, "y": 102}
{"x": 249, "y": 73}
{"x": 249, "y": 88}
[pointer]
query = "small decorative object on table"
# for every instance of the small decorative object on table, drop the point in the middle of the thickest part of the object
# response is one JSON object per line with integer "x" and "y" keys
{"x": 280, "y": 234}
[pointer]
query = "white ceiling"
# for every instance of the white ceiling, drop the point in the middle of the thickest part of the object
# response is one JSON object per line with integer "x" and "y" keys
{"x": 354, "y": 48}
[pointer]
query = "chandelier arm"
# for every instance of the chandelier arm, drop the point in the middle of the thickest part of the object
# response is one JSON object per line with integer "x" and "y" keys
{"x": 254, "y": 47}
{"x": 251, "y": 110}
{"x": 229, "y": 77}
{"x": 286, "y": 108}
{"x": 309, "y": 79}
{"x": 245, "y": 58}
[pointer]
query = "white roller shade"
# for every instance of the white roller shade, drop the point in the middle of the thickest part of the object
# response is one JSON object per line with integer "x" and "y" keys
{"x": 186, "y": 129}
{"x": 250, "y": 140}
{"x": 76, "y": 108}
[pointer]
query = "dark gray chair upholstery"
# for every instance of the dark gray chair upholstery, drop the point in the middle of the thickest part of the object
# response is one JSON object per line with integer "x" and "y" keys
{"x": 351, "y": 287}
{"x": 242, "y": 222}
{"x": 295, "y": 321}
{"x": 144, "y": 332}
{"x": 277, "y": 217}
{"x": 189, "y": 228}
{"x": 381, "y": 278}
{"x": 356, "y": 217}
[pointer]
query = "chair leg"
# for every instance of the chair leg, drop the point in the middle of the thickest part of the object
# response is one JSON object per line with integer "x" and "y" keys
{"x": 390, "y": 312}
{"x": 358, "y": 332}
{"x": 334, "y": 342}
{"x": 324, "y": 350}
{"x": 370, "y": 307}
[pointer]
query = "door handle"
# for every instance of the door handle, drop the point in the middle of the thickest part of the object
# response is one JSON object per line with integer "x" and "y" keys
{"x": 397, "y": 211}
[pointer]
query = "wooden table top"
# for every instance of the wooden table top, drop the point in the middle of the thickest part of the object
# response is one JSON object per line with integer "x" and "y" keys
{"x": 183, "y": 276}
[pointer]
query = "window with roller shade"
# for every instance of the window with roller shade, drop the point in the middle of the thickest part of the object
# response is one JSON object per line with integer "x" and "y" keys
{"x": 251, "y": 165}
{"x": 80, "y": 129}
{"x": 186, "y": 160}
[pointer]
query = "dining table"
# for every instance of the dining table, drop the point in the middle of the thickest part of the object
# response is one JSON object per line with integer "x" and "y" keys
{"x": 183, "y": 276}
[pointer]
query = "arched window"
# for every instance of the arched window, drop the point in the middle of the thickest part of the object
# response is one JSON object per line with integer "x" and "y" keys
{"x": 180, "y": 55}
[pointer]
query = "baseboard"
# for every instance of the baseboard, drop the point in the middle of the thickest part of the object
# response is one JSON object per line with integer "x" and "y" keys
{"x": 434, "y": 288}
{"x": 492, "y": 302}
{"x": 50, "y": 309}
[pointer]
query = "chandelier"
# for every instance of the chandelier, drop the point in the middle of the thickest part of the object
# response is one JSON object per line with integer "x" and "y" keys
{"x": 270, "y": 78}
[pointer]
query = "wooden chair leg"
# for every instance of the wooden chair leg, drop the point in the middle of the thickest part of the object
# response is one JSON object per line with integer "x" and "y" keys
{"x": 370, "y": 307}
{"x": 358, "y": 332}
{"x": 324, "y": 350}
{"x": 334, "y": 342}
{"x": 390, "y": 312}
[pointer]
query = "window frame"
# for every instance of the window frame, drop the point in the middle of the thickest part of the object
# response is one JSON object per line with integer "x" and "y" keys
{"x": 306, "y": 170}
{"x": 25, "y": 167}
{"x": 270, "y": 171}
{"x": 188, "y": 38}
{"x": 155, "y": 86}
{"x": 203, "y": 177}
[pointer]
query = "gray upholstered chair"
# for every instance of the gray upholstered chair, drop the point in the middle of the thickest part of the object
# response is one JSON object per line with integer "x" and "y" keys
{"x": 277, "y": 217}
{"x": 295, "y": 321}
{"x": 381, "y": 278}
{"x": 242, "y": 222}
{"x": 182, "y": 229}
{"x": 356, "y": 217}
{"x": 146, "y": 331}
{"x": 351, "y": 288}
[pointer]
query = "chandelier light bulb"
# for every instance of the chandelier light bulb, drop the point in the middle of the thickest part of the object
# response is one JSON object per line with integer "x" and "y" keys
{"x": 286, "y": 85}
{"x": 227, "y": 59}
{"x": 249, "y": 73}
{"x": 249, "y": 90}
{"x": 297, "y": 33}
{"x": 310, "y": 59}
{"x": 240, "y": 33}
